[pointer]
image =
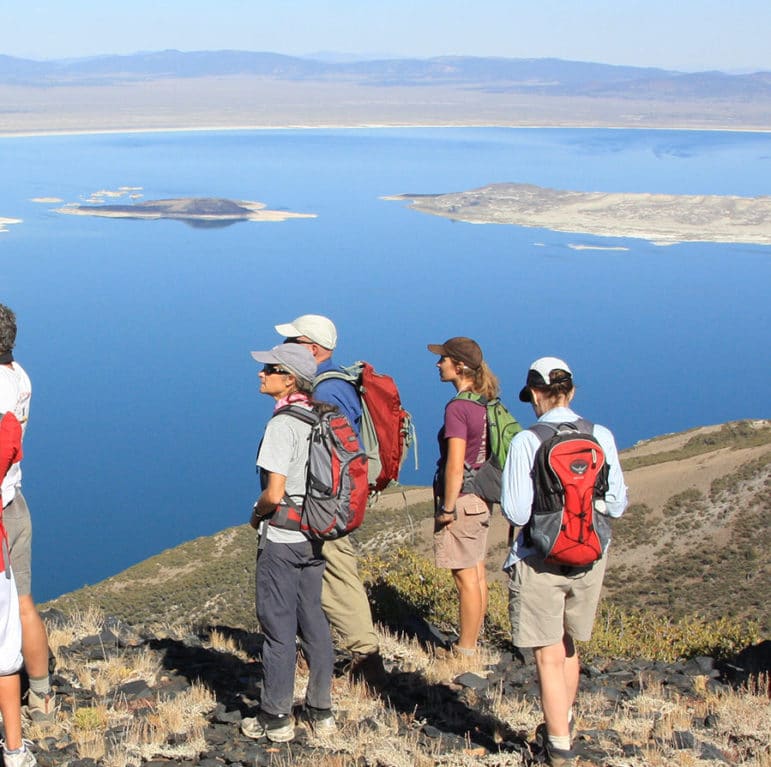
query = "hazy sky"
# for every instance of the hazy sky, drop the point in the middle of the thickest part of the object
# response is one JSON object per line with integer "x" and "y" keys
{"x": 676, "y": 34}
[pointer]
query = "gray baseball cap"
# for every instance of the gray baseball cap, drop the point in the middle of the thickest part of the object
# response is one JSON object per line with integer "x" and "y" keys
{"x": 295, "y": 358}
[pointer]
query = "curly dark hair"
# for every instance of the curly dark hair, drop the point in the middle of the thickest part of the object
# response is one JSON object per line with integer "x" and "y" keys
{"x": 7, "y": 329}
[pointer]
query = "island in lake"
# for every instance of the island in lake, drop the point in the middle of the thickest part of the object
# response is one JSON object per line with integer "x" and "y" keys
{"x": 5, "y": 222}
{"x": 661, "y": 218}
{"x": 196, "y": 211}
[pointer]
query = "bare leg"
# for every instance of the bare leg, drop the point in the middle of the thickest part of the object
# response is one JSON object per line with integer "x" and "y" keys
{"x": 34, "y": 640}
{"x": 482, "y": 576}
{"x": 572, "y": 670}
{"x": 472, "y": 597}
{"x": 558, "y": 669}
{"x": 10, "y": 708}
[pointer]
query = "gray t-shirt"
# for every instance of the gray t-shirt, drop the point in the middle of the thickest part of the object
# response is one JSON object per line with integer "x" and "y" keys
{"x": 284, "y": 451}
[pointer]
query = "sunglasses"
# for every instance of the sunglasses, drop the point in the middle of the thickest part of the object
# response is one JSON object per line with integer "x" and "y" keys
{"x": 270, "y": 370}
{"x": 298, "y": 340}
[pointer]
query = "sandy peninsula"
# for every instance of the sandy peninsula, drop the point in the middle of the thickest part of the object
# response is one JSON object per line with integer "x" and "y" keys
{"x": 660, "y": 218}
{"x": 204, "y": 210}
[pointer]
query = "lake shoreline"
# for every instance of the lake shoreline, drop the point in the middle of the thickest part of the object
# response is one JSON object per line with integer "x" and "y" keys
{"x": 24, "y": 133}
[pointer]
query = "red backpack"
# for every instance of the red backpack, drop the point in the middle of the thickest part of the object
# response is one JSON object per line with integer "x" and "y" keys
{"x": 386, "y": 427}
{"x": 568, "y": 525}
{"x": 336, "y": 488}
{"x": 10, "y": 453}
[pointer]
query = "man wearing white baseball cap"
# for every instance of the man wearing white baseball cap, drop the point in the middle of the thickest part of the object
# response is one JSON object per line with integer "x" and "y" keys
{"x": 551, "y": 605}
{"x": 343, "y": 596}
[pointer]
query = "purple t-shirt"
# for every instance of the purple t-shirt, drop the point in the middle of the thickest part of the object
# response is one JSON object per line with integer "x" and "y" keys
{"x": 465, "y": 419}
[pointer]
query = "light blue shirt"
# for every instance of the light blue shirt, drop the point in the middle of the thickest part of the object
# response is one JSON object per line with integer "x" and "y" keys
{"x": 517, "y": 484}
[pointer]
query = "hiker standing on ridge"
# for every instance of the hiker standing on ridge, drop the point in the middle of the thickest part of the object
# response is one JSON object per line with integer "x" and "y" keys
{"x": 343, "y": 597}
{"x": 15, "y": 395}
{"x": 15, "y": 751}
{"x": 462, "y": 518}
{"x": 288, "y": 582}
{"x": 552, "y": 604}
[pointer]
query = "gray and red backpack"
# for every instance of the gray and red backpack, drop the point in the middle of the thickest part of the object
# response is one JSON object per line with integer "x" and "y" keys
{"x": 336, "y": 489}
{"x": 568, "y": 525}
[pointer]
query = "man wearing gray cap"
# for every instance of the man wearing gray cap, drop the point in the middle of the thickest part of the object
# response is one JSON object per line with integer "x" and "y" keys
{"x": 343, "y": 596}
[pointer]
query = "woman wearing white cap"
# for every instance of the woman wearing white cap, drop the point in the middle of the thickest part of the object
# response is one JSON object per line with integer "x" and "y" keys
{"x": 462, "y": 519}
{"x": 290, "y": 565}
{"x": 551, "y": 605}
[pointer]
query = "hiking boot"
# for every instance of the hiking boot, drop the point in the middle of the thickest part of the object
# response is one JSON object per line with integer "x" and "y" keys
{"x": 369, "y": 669}
{"x": 41, "y": 708}
{"x": 558, "y": 757}
{"x": 22, "y": 757}
{"x": 278, "y": 728}
{"x": 320, "y": 720}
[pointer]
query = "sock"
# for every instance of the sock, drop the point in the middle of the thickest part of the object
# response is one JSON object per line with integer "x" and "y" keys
{"x": 40, "y": 685}
{"x": 562, "y": 742}
{"x": 20, "y": 750}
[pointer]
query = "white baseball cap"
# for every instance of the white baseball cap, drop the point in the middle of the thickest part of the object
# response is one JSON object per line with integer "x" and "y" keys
{"x": 540, "y": 375}
{"x": 321, "y": 330}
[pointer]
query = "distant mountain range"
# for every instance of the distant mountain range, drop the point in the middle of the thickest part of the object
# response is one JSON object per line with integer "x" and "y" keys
{"x": 503, "y": 75}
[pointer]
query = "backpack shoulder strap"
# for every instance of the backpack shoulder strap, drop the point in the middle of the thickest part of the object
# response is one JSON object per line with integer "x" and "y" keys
{"x": 311, "y": 417}
{"x": 543, "y": 430}
{"x": 471, "y": 396}
{"x": 349, "y": 373}
{"x": 585, "y": 426}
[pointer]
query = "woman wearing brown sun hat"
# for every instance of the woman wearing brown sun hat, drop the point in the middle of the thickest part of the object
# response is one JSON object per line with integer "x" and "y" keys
{"x": 462, "y": 519}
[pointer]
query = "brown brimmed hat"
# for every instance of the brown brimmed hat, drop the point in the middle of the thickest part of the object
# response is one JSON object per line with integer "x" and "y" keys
{"x": 465, "y": 350}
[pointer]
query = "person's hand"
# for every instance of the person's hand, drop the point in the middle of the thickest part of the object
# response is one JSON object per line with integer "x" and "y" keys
{"x": 442, "y": 518}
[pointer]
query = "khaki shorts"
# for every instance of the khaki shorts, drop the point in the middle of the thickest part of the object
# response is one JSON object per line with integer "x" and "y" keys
{"x": 545, "y": 603}
{"x": 18, "y": 525}
{"x": 463, "y": 543}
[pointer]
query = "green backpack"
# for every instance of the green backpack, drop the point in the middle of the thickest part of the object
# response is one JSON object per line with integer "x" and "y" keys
{"x": 501, "y": 428}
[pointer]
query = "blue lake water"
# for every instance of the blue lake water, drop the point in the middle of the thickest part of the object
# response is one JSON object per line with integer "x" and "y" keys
{"x": 145, "y": 410}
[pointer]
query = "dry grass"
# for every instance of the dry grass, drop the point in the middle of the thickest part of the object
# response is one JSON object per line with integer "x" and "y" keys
{"x": 183, "y": 716}
{"x": 375, "y": 734}
{"x": 221, "y": 643}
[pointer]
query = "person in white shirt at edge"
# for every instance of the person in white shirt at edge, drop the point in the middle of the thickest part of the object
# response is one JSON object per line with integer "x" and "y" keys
{"x": 550, "y": 606}
{"x": 15, "y": 395}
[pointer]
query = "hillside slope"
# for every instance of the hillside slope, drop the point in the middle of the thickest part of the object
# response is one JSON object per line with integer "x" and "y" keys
{"x": 695, "y": 539}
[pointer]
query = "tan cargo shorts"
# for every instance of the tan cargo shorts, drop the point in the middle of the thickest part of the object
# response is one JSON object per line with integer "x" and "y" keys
{"x": 463, "y": 543}
{"x": 545, "y": 602}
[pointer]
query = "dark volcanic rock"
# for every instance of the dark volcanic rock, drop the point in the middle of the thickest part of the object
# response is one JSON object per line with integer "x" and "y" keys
{"x": 449, "y": 716}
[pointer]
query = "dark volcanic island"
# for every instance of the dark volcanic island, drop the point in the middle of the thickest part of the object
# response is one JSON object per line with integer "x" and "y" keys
{"x": 661, "y": 218}
{"x": 198, "y": 211}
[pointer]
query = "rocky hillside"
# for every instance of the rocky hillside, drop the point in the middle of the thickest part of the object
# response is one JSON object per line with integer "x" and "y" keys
{"x": 695, "y": 539}
{"x": 175, "y": 696}
{"x": 169, "y": 680}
